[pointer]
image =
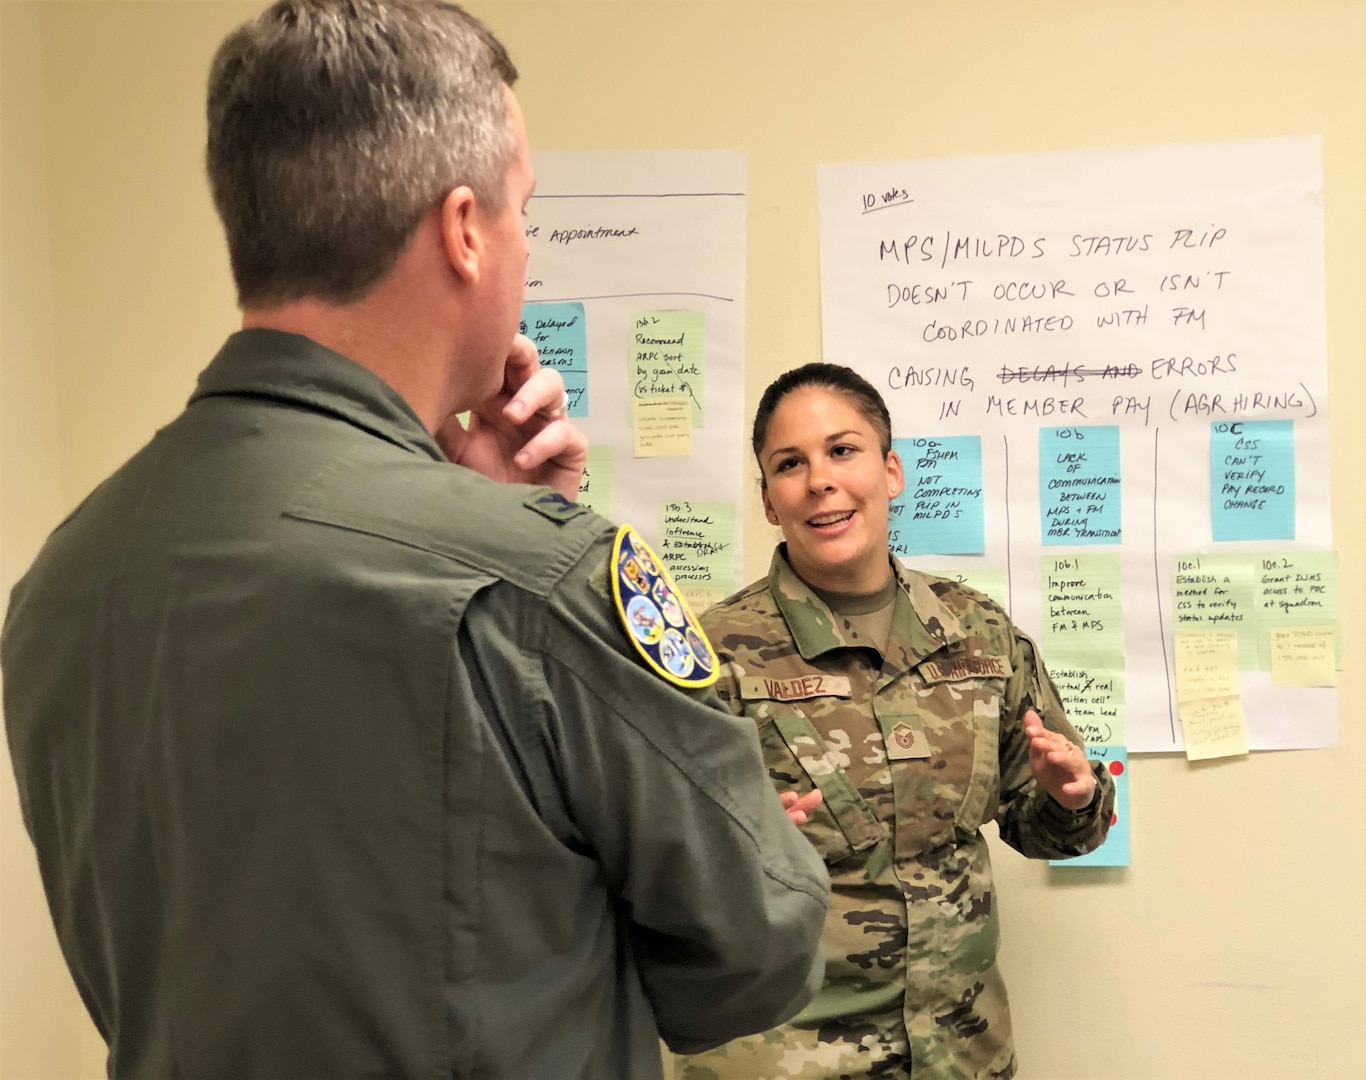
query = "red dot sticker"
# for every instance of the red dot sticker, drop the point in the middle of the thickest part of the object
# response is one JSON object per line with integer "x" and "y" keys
{"x": 1114, "y": 818}
{"x": 1116, "y": 767}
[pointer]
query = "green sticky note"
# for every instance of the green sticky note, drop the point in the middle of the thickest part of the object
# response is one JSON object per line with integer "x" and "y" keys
{"x": 1218, "y": 592}
{"x": 1082, "y": 606}
{"x": 985, "y": 579}
{"x": 667, "y": 359}
{"x": 1296, "y": 588}
{"x": 697, "y": 546}
{"x": 1092, "y": 690}
{"x": 595, "y": 487}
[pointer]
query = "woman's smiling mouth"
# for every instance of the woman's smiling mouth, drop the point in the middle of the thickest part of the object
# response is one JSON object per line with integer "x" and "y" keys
{"x": 826, "y": 521}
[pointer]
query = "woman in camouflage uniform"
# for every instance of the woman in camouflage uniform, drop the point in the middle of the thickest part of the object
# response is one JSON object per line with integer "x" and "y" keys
{"x": 919, "y": 712}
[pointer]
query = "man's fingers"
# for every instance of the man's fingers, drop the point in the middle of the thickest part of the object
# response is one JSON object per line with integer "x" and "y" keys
{"x": 523, "y": 361}
{"x": 559, "y": 441}
{"x": 531, "y": 388}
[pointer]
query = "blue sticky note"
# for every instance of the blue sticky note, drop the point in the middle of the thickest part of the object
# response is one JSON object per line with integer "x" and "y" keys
{"x": 557, "y": 331}
{"x": 1252, "y": 479}
{"x": 940, "y": 510}
{"x": 1079, "y": 485}
{"x": 1115, "y": 850}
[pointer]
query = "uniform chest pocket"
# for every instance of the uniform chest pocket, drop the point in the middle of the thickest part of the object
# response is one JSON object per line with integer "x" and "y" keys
{"x": 798, "y": 758}
{"x": 961, "y": 721}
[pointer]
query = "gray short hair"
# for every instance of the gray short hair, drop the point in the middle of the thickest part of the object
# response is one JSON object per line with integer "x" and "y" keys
{"x": 335, "y": 125}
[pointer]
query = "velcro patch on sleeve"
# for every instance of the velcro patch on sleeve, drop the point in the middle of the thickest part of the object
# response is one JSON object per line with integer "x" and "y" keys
{"x": 656, "y": 616}
{"x": 808, "y": 686}
{"x": 553, "y": 505}
{"x": 959, "y": 668}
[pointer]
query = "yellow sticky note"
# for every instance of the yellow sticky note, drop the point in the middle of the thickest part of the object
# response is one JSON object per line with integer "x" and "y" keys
{"x": 1214, "y": 727}
{"x": 663, "y": 427}
{"x": 1206, "y": 664}
{"x": 1303, "y": 656}
{"x": 701, "y": 597}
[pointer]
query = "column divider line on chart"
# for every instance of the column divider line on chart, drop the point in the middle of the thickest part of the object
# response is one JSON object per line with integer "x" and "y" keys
{"x": 1157, "y": 582}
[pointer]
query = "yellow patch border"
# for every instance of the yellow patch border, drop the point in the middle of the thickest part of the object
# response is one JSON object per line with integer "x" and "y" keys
{"x": 689, "y": 619}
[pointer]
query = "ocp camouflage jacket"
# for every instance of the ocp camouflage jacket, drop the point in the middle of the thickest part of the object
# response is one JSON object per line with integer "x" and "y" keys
{"x": 911, "y": 984}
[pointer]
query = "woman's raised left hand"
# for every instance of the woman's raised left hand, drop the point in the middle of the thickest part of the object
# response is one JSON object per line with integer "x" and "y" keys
{"x": 1059, "y": 765}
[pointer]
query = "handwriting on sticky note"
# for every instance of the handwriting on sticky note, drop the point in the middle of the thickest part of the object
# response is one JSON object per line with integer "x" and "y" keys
{"x": 558, "y": 332}
{"x": 667, "y": 358}
{"x": 595, "y": 486}
{"x": 1093, "y": 695}
{"x": 1252, "y": 480}
{"x": 701, "y": 597}
{"x": 940, "y": 510}
{"x": 1082, "y": 606}
{"x": 1303, "y": 656}
{"x": 1217, "y": 592}
{"x": 1206, "y": 664}
{"x": 697, "y": 544}
{"x": 1079, "y": 485}
{"x": 663, "y": 428}
{"x": 1214, "y": 727}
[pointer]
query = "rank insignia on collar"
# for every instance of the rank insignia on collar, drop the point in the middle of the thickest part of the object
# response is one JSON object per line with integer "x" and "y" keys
{"x": 553, "y": 505}
{"x": 657, "y": 618}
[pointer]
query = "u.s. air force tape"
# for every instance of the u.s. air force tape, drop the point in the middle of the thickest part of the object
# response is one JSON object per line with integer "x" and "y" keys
{"x": 657, "y": 618}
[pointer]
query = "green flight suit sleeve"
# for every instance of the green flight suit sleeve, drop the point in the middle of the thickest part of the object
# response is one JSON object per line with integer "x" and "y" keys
{"x": 1029, "y": 819}
{"x": 725, "y": 898}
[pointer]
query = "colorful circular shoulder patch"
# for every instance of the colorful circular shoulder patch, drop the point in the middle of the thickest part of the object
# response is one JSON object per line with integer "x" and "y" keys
{"x": 657, "y": 617}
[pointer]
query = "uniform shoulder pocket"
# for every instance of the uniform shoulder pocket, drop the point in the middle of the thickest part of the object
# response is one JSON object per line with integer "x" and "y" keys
{"x": 798, "y": 757}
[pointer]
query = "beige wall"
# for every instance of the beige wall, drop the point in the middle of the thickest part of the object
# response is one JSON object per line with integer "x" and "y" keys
{"x": 43, "y": 1029}
{"x": 1235, "y": 946}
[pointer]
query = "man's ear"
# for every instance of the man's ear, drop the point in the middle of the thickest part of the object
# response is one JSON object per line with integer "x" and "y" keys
{"x": 460, "y": 234}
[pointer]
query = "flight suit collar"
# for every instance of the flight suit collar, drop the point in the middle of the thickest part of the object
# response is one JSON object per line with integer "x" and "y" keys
{"x": 921, "y": 624}
{"x": 291, "y": 368}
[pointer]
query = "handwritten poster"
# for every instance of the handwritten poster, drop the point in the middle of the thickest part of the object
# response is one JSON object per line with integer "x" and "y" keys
{"x": 621, "y": 238}
{"x": 1169, "y": 297}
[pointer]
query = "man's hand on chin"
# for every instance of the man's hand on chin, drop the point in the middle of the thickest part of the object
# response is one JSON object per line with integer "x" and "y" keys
{"x": 522, "y": 434}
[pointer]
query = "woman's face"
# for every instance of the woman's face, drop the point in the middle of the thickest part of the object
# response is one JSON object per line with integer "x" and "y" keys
{"x": 827, "y": 486}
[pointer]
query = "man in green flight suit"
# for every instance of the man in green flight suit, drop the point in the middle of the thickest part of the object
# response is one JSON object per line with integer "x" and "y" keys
{"x": 336, "y": 757}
